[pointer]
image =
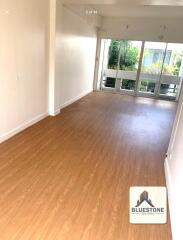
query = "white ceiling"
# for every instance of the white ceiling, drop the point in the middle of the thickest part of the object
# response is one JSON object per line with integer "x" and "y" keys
{"x": 129, "y": 8}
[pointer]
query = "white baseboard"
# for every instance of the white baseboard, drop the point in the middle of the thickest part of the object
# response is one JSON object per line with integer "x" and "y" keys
{"x": 69, "y": 102}
{"x": 54, "y": 113}
{"x": 57, "y": 112}
{"x": 22, "y": 127}
{"x": 38, "y": 118}
{"x": 169, "y": 188}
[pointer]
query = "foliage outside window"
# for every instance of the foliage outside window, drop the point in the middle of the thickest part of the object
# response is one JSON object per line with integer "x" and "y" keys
{"x": 128, "y": 58}
{"x": 171, "y": 65}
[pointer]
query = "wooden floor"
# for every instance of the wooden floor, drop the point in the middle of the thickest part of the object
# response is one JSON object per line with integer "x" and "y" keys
{"x": 68, "y": 177}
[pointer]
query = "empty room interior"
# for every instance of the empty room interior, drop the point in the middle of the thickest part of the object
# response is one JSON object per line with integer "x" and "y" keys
{"x": 91, "y": 119}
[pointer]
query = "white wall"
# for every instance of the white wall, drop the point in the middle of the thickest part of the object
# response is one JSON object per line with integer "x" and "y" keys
{"x": 174, "y": 173}
{"x": 27, "y": 35}
{"x": 23, "y": 64}
{"x": 151, "y": 29}
{"x": 75, "y": 57}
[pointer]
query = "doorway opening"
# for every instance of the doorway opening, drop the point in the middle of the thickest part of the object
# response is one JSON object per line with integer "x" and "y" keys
{"x": 141, "y": 68}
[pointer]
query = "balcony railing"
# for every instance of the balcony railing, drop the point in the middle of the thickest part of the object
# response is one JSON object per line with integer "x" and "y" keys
{"x": 169, "y": 85}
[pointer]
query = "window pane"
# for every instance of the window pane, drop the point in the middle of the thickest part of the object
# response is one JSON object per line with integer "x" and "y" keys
{"x": 173, "y": 59}
{"x": 151, "y": 66}
{"x": 128, "y": 84}
{"x": 129, "y": 55}
{"x": 108, "y": 63}
{"x": 128, "y": 63}
{"x": 153, "y": 57}
{"x": 146, "y": 86}
{"x": 113, "y": 55}
{"x": 110, "y": 82}
{"x": 168, "y": 90}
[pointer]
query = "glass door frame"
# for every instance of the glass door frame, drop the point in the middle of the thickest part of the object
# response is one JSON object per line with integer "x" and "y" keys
{"x": 118, "y": 78}
{"x": 136, "y": 91}
{"x": 107, "y": 89}
{"x": 170, "y": 79}
{"x": 157, "y": 82}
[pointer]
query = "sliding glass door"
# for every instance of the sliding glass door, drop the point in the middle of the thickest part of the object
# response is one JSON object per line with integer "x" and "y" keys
{"x": 153, "y": 69}
{"x": 162, "y": 70}
{"x": 120, "y": 65}
{"x": 172, "y": 72}
{"x": 152, "y": 64}
{"x": 111, "y": 49}
{"x": 128, "y": 65}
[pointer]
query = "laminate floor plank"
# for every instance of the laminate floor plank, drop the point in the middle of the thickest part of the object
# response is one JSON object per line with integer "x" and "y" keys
{"x": 68, "y": 177}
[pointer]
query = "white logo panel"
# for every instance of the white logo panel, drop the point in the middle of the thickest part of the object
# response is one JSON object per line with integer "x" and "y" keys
{"x": 148, "y": 205}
